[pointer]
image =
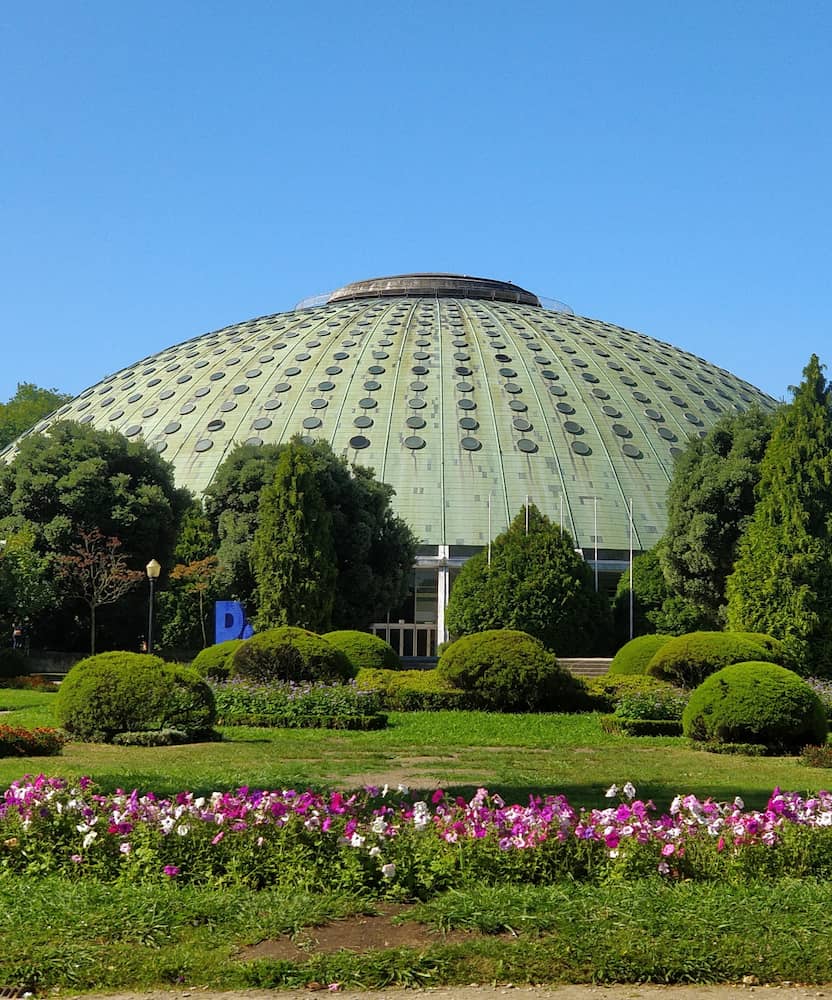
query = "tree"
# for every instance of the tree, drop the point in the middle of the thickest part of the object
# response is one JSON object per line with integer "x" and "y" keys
{"x": 782, "y": 581}
{"x": 650, "y": 591}
{"x": 96, "y": 571}
{"x": 293, "y": 552}
{"x": 26, "y": 407}
{"x": 374, "y": 548}
{"x": 196, "y": 579}
{"x": 26, "y": 580}
{"x": 535, "y": 583}
{"x": 710, "y": 500}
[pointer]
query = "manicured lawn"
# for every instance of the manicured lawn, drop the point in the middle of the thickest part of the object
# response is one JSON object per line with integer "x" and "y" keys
{"x": 510, "y": 754}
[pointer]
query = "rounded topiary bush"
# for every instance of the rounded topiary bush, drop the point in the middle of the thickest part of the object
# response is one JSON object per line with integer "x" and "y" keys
{"x": 635, "y": 655}
{"x": 364, "y": 650}
{"x": 215, "y": 661}
{"x": 756, "y": 703}
{"x": 511, "y": 671}
{"x": 289, "y": 654}
{"x": 686, "y": 660}
{"x": 122, "y": 692}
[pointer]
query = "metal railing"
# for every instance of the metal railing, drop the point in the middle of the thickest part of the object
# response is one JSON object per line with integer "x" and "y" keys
{"x": 407, "y": 638}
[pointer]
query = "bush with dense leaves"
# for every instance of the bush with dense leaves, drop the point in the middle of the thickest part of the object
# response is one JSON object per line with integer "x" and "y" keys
{"x": 215, "y": 661}
{"x": 364, "y": 650}
{"x": 511, "y": 671}
{"x": 289, "y": 654}
{"x": 756, "y": 703}
{"x": 414, "y": 690}
{"x": 635, "y": 655}
{"x": 123, "y": 692}
{"x": 297, "y": 706}
{"x": 606, "y": 691}
{"x": 687, "y": 660}
{"x": 18, "y": 742}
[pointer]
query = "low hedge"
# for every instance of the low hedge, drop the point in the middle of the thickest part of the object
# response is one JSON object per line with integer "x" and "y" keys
{"x": 297, "y": 706}
{"x": 364, "y": 650}
{"x": 686, "y": 660}
{"x": 757, "y": 703}
{"x": 635, "y": 655}
{"x": 606, "y": 692}
{"x": 511, "y": 671}
{"x": 16, "y": 741}
{"x": 289, "y": 654}
{"x": 121, "y": 692}
{"x": 414, "y": 691}
{"x": 641, "y": 727}
{"x": 214, "y": 662}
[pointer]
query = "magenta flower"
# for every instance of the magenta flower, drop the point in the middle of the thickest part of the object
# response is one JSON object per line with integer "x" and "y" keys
{"x": 171, "y": 870}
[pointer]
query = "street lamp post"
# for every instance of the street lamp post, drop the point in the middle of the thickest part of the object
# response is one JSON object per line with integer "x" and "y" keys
{"x": 153, "y": 569}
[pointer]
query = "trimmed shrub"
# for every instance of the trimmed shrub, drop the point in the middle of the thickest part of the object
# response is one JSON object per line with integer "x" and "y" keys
{"x": 215, "y": 661}
{"x": 641, "y": 727}
{"x": 414, "y": 690}
{"x": 364, "y": 650}
{"x": 756, "y": 702}
{"x": 688, "y": 659}
{"x": 289, "y": 654}
{"x": 511, "y": 671}
{"x": 605, "y": 692}
{"x": 42, "y": 742}
{"x": 635, "y": 655}
{"x": 122, "y": 692}
{"x": 329, "y": 706}
{"x": 668, "y": 704}
{"x": 13, "y": 662}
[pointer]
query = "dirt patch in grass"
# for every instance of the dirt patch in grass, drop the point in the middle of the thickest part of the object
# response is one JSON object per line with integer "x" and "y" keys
{"x": 358, "y": 933}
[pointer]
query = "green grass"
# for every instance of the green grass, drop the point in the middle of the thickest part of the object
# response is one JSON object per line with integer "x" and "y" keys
{"x": 514, "y": 755}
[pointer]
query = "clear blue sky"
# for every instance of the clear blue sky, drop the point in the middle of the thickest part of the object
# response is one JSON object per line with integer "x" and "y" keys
{"x": 169, "y": 168}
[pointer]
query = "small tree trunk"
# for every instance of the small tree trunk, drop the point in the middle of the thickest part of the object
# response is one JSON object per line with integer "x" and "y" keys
{"x": 92, "y": 629}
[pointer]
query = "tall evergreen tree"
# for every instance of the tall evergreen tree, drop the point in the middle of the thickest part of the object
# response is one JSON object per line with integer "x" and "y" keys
{"x": 782, "y": 581}
{"x": 293, "y": 554}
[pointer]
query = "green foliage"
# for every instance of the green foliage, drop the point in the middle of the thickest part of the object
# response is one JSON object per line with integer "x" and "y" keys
{"x": 41, "y": 742}
{"x": 293, "y": 706}
{"x": 414, "y": 690}
{"x": 641, "y": 727}
{"x": 687, "y": 660}
{"x": 26, "y": 407}
{"x": 374, "y": 549}
{"x": 756, "y": 702}
{"x": 782, "y": 582}
{"x": 289, "y": 654}
{"x": 607, "y": 691}
{"x": 215, "y": 661}
{"x": 365, "y": 650}
{"x": 536, "y": 583}
{"x": 710, "y": 501}
{"x": 635, "y": 655}
{"x": 650, "y": 591}
{"x": 667, "y": 703}
{"x": 293, "y": 554}
{"x": 120, "y": 692}
{"x": 511, "y": 671}
{"x": 27, "y": 584}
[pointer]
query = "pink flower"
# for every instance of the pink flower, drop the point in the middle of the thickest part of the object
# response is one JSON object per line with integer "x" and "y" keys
{"x": 171, "y": 871}
{"x": 668, "y": 849}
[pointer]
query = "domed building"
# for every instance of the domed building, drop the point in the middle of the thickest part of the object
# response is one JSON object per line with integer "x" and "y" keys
{"x": 468, "y": 395}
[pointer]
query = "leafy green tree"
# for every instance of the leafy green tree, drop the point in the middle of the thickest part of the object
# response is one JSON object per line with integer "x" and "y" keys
{"x": 710, "y": 500}
{"x": 650, "y": 591}
{"x": 26, "y": 407}
{"x": 26, "y": 581}
{"x": 782, "y": 581}
{"x": 293, "y": 554}
{"x": 536, "y": 583}
{"x": 374, "y": 548}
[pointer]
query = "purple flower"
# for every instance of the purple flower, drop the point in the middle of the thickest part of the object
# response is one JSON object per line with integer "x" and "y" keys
{"x": 171, "y": 870}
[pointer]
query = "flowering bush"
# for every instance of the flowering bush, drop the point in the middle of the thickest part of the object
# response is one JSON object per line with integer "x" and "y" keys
{"x": 294, "y": 705}
{"x": 42, "y": 742}
{"x": 388, "y": 842}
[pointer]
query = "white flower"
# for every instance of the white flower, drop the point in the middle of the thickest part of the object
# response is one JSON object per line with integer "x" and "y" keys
{"x": 738, "y": 802}
{"x": 375, "y": 852}
{"x": 630, "y": 790}
{"x": 676, "y": 805}
{"x": 385, "y": 790}
{"x": 183, "y": 829}
{"x": 403, "y": 789}
{"x": 90, "y": 837}
{"x": 611, "y": 792}
{"x": 664, "y": 868}
{"x": 388, "y": 870}
{"x": 356, "y": 840}
{"x": 379, "y": 825}
{"x": 614, "y": 852}
{"x": 125, "y": 848}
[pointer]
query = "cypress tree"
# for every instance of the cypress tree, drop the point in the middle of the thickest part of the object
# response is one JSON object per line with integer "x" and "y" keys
{"x": 292, "y": 553}
{"x": 782, "y": 580}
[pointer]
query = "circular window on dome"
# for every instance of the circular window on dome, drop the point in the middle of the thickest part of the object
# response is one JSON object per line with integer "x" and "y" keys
{"x": 542, "y": 361}
{"x": 461, "y": 356}
{"x": 83, "y": 420}
{"x": 631, "y": 451}
{"x": 363, "y": 421}
{"x": 271, "y": 404}
{"x": 294, "y": 370}
{"x": 418, "y": 386}
{"x": 150, "y": 411}
{"x": 216, "y": 376}
{"x": 464, "y": 387}
{"x": 326, "y": 386}
{"x": 416, "y": 404}
{"x": 283, "y": 387}
{"x": 579, "y": 363}
{"x": 549, "y": 374}
{"x": 502, "y": 357}
{"x": 666, "y": 433}
{"x": 517, "y": 406}
{"x": 376, "y": 369}
{"x": 466, "y": 404}
{"x": 508, "y": 373}
{"x": 512, "y": 387}
{"x": 527, "y": 446}
{"x": 318, "y": 404}
{"x": 359, "y": 441}
{"x": 653, "y": 414}
{"x": 204, "y": 444}
{"x": 423, "y": 343}
{"x": 600, "y": 394}
{"x": 461, "y": 370}
{"x": 340, "y": 355}
{"x": 133, "y": 430}
{"x": 261, "y": 423}
{"x": 240, "y": 390}
{"x": 414, "y": 442}
{"x": 565, "y": 408}
{"x": 557, "y": 390}
{"x": 708, "y": 402}
{"x": 581, "y": 448}
{"x": 334, "y": 370}
{"x": 386, "y": 342}
{"x": 521, "y": 424}
{"x": 159, "y": 446}
{"x": 678, "y": 401}
{"x": 310, "y": 423}
{"x": 676, "y": 452}
{"x": 470, "y": 444}
{"x": 468, "y": 424}
{"x": 647, "y": 369}
{"x": 663, "y": 385}
{"x": 228, "y": 406}
{"x": 186, "y": 408}
{"x": 371, "y": 385}
{"x": 628, "y": 381}
{"x": 254, "y": 373}
{"x": 383, "y": 355}
{"x": 460, "y": 343}
{"x": 116, "y": 415}
{"x": 622, "y": 430}
{"x": 641, "y": 397}
{"x": 419, "y": 370}
{"x": 692, "y": 418}
{"x": 215, "y": 425}
{"x": 415, "y": 422}
{"x": 615, "y": 366}
{"x": 183, "y": 379}
{"x": 573, "y": 427}
{"x": 368, "y": 403}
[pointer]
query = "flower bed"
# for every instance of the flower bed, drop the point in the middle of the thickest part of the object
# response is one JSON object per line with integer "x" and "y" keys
{"x": 42, "y": 742}
{"x": 391, "y": 843}
{"x": 324, "y": 706}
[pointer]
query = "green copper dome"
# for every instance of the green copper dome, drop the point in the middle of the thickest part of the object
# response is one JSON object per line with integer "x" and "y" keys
{"x": 465, "y": 394}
